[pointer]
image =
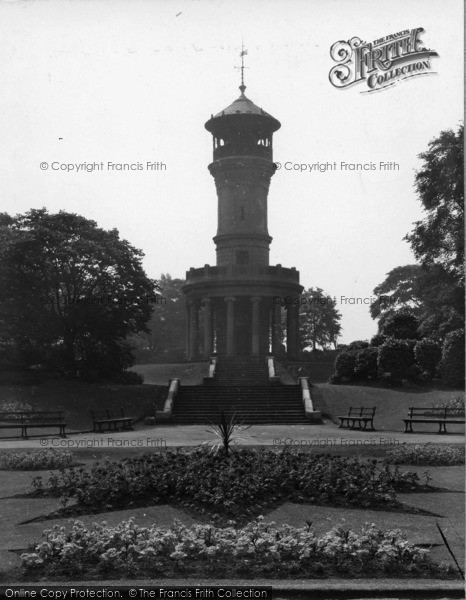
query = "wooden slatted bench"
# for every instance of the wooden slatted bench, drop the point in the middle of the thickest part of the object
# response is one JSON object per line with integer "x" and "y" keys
{"x": 440, "y": 416}
{"x": 105, "y": 417}
{"x": 362, "y": 415}
{"x": 33, "y": 419}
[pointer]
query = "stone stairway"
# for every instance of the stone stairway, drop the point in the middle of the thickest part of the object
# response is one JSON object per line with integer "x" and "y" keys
{"x": 231, "y": 372}
{"x": 241, "y": 387}
{"x": 253, "y": 404}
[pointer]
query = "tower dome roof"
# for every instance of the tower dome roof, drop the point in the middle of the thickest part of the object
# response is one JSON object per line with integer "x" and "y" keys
{"x": 244, "y": 106}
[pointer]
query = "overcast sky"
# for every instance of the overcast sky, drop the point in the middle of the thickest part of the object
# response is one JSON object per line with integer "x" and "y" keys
{"x": 135, "y": 81}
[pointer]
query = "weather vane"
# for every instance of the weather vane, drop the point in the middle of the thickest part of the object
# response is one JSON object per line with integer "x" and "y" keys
{"x": 243, "y": 53}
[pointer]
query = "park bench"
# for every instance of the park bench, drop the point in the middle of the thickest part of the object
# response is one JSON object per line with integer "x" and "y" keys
{"x": 36, "y": 419}
{"x": 362, "y": 415}
{"x": 105, "y": 417}
{"x": 439, "y": 415}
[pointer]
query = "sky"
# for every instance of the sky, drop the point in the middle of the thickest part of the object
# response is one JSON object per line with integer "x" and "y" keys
{"x": 134, "y": 81}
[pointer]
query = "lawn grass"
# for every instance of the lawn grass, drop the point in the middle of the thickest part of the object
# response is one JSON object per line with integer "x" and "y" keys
{"x": 419, "y": 527}
{"x": 90, "y": 455}
{"x": 76, "y": 399}
{"x": 392, "y": 403}
{"x": 159, "y": 374}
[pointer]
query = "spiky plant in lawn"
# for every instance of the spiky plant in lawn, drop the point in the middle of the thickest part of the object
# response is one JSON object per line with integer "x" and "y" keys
{"x": 226, "y": 431}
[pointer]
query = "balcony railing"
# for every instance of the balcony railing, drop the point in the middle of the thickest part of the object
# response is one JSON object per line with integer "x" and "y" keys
{"x": 242, "y": 271}
{"x": 242, "y": 150}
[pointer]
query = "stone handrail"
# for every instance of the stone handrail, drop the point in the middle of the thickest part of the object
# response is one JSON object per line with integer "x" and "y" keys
{"x": 212, "y": 367}
{"x": 273, "y": 378}
{"x": 166, "y": 413}
{"x": 311, "y": 414}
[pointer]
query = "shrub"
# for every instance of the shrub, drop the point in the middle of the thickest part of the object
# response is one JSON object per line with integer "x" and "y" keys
{"x": 32, "y": 460}
{"x": 129, "y": 378}
{"x": 428, "y": 354}
{"x": 105, "y": 360}
{"x": 453, "y": 358}
{"x": 394, "y": 359}
{"x": 402, "y": 326}
{"x": 426, "y": 454}
{"x": 234, "y": 487}
{"x": 416, "y": 374}
{"x": 258, "y": 549}
{"x": 357, "y": 345}
{"x": 344, "y": 366}
{"x": 366, "y": 363}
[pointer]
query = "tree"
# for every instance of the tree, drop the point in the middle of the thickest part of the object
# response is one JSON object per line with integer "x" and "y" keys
{"x": 442, "y": 302}
{"x": 319, "y": 320}
{"x": 430, "y": 293}
{"x": 167, "y": 326}
{"x": 432, "y": 290}
{"x": 453, "y": 359}
{"x": 70, "y": 292}
{"x": 439, "y": 237}
{"x": 401, "y": 290}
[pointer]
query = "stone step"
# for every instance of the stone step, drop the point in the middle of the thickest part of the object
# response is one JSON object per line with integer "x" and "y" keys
{"x": 240, "y": 386}
{"x": 232, "y": 407}
{"x": 215, "y": 410}
{"x": 236, "y": 402}
{"x": 241, "y": 416}
{"x": 253, "y": 404}
{"x": 281, "y": 420}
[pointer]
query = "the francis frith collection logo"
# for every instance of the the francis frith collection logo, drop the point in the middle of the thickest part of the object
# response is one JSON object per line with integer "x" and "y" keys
{"x": 381, "y": 63}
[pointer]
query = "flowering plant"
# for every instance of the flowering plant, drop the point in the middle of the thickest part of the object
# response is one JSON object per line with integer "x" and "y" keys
{"x": 236, "y": 486}
{"x": 30, "y": 460}
{"x": 259, "y": 549}
{"x": 426, "y": 454}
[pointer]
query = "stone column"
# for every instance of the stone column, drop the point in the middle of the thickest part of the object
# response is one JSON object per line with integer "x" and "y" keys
{"x": 194, "y": 330}
{"x": 255, "y": 326}
{"x": 188, "y": 335}
{"x": 207, "y": 327}
{"x": 276, "y": 323}
{"x": 297, "y": 335}
{"x": 291, "y": 331}
{"x": 230, "y": 300}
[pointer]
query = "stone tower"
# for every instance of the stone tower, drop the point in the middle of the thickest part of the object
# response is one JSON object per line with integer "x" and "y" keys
{"x": 241, "y": 299}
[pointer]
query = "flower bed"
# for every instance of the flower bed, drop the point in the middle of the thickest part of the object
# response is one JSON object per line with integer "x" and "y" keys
{"x": 35, "y": 460}
{"x": 7, "y": 406}
{"x": 259, "y": 549}
{"x": 235, "y": 486}
{"x": 426, "y": 454}
{"x": 454, "y": 405}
